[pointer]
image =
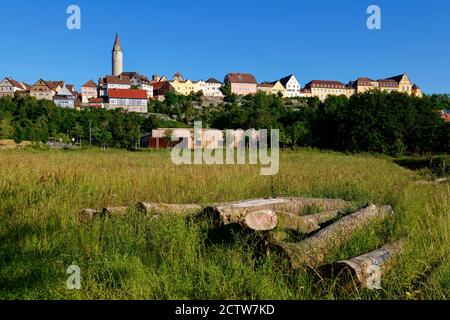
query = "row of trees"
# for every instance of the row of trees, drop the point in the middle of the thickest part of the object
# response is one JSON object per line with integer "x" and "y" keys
{"x": 388, "y": 123}
{"x": 25, "y": 118}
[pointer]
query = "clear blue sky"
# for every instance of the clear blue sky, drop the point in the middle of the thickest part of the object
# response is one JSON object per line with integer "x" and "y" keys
{"x": 313, "y": 39}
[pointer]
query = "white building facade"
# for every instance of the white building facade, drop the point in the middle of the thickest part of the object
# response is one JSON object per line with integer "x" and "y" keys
{"x": 292, "y": 86}
{"x": 9, "y": 86}
{"x": 139, "y": 81}
{"x": 130, "y": 100}
{"x": 64, "y": 98}
{"x": 213, "y": 88}
{"x": 200, "y": 86}
{"x": 89, "y": 91}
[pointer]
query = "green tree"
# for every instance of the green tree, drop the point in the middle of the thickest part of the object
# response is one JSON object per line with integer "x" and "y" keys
{"x": 7, "y": 130}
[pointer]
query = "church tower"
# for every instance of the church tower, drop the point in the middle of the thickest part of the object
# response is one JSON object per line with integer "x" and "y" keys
{"x": 117, "y": 58}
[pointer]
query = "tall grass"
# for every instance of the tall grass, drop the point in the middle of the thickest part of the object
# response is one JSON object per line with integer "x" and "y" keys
{"x": 134, "y": 258}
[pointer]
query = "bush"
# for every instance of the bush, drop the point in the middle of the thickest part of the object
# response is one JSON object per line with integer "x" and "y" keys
{"x": 439, "y": 166}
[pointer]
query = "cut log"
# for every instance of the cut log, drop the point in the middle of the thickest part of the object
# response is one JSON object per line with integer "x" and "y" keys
{"x": 264, "y": 220}
{"x": 115, "y": 212}
{"x": 305, "y": 224}
{"x": 312, "y": 252}
{"x": 161, "y": 208}
{"x": 235, "y": 211}
{"x": 87, "y": 215}
{"x": 363, "y": 271}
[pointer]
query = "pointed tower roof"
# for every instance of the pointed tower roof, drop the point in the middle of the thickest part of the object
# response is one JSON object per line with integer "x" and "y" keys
{"x": 117, "y": 46}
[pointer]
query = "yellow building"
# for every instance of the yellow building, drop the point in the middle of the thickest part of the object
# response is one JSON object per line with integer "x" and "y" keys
{"x": 324, "y": 88}
{"x": 278, "y": 88}
{"x": 417, "y": 92}
{"x": 274, "y": 88}
{"x": 181, "y": 86}
{"x": 362, "y": 85}
{"x": 400, "y": 83}
{"x": 404, "y": 85}
{"x": 265, "y": 87}
{"x": 387, "y": 85}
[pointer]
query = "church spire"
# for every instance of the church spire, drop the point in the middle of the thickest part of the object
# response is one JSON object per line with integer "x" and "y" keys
{"x": 117, "y": 58}
{"x": 117, "y": 46}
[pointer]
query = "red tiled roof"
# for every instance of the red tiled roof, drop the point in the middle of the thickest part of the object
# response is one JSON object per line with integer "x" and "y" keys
{"x": 129, "y": 74}
{"x": 90, "y": 84}
{"x": 96, "y": 100}
{"x": 266, "y": 84}
{"x": 159, "y": 85}
{"x": 54, "y": 84}
{"x": 27, "y": 86}
{"x": 116, "y": 80}
{"x": 240, "y": 78}
{"x": 15, "y": 83}
{"x": 128, "y": 93}
{"x": 365, "y": 79}
{"x": 387, "y": 83}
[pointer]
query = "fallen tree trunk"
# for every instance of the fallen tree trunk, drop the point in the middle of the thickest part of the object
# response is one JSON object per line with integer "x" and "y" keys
{"x": 313, "y": 251}
{"x": 161, "y": 208}
{"x": 305, "y": 224}
{"x": 261, "y": 220}
{"x": 363, "y": 271}
{"x": 235, "y": 211}
{"x": 115, "y": 211}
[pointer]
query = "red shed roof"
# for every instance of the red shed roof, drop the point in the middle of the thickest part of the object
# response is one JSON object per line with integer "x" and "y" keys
{"x": 128, "y": 93}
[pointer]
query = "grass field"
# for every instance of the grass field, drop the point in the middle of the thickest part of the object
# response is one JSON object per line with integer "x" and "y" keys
{"x": 41, "y": 193}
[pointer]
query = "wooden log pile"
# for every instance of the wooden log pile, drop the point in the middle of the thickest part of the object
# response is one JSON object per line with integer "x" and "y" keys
{"x": 292, "y": 215}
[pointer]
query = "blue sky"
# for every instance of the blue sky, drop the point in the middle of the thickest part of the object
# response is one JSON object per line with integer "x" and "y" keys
{"x": 313, "y": 39}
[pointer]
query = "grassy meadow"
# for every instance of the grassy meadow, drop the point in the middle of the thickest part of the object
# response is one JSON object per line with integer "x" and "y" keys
{"x": 41, "y": 193}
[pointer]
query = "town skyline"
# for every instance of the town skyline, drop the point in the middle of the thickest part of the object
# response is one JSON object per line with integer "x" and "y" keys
{"x": 131, "y": 91}
{"x": 359, "y": 52}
